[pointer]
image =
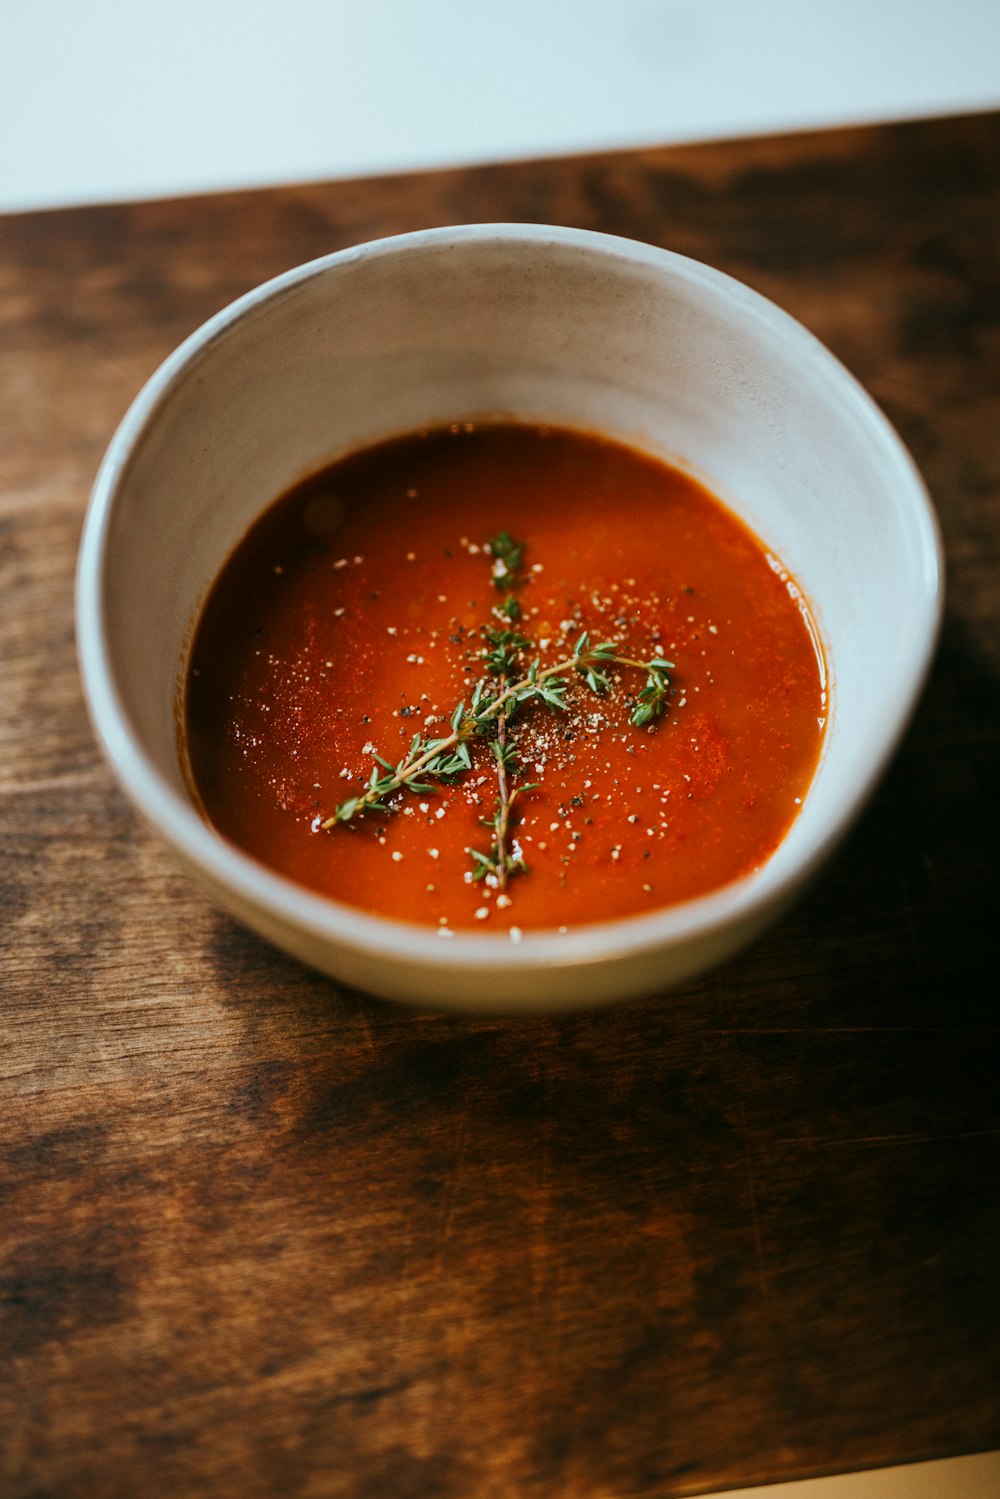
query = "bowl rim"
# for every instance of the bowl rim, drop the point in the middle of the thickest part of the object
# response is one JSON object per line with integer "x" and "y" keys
{"x": 182, "y": 827}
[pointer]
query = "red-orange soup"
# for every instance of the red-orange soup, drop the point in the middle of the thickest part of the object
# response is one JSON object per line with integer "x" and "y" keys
{"x": 350, "y": 618}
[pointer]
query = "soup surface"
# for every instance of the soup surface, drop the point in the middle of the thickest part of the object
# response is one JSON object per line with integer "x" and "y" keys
{"x": 590, "y": 779}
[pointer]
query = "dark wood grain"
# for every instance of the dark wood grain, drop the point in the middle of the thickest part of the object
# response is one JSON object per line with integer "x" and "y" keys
{"x": 262, "y": 1236}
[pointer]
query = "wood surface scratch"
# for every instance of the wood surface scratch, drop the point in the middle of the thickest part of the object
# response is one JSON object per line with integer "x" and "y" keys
{"x": 752, "y": 1201}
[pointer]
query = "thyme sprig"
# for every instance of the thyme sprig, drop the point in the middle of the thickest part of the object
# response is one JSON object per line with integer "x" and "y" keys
{"x": 502, "y": 659}
{"x": 505, "y": 857}
{"x": 445, "y": 758}
{"x": 507, "y": 687}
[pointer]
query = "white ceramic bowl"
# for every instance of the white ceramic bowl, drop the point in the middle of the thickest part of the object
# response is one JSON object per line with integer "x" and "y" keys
{"x": 550, "y": 324}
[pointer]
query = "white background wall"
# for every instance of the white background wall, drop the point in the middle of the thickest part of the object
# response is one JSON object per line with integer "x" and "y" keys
{"x": 108, "y": 99}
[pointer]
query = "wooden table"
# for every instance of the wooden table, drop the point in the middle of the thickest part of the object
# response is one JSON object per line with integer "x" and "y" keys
{"x": 264, "y": 1236}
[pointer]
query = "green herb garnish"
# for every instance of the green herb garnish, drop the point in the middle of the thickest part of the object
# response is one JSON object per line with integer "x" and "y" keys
{"x": 510, "y": 684}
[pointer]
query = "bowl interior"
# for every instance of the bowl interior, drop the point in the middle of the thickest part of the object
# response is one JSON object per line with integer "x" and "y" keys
{"x": 558, "y": 326}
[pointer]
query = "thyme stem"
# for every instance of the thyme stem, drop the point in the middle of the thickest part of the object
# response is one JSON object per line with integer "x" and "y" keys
{"x": 405, "y": 773}
{"x": 503, "y": 809}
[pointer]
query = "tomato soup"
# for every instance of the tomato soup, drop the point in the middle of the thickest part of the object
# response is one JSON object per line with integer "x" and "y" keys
{"x": 570, "y": 683}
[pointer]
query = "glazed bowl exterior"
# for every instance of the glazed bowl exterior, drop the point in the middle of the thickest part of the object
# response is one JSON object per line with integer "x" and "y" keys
{"x": 546, "y": 324}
